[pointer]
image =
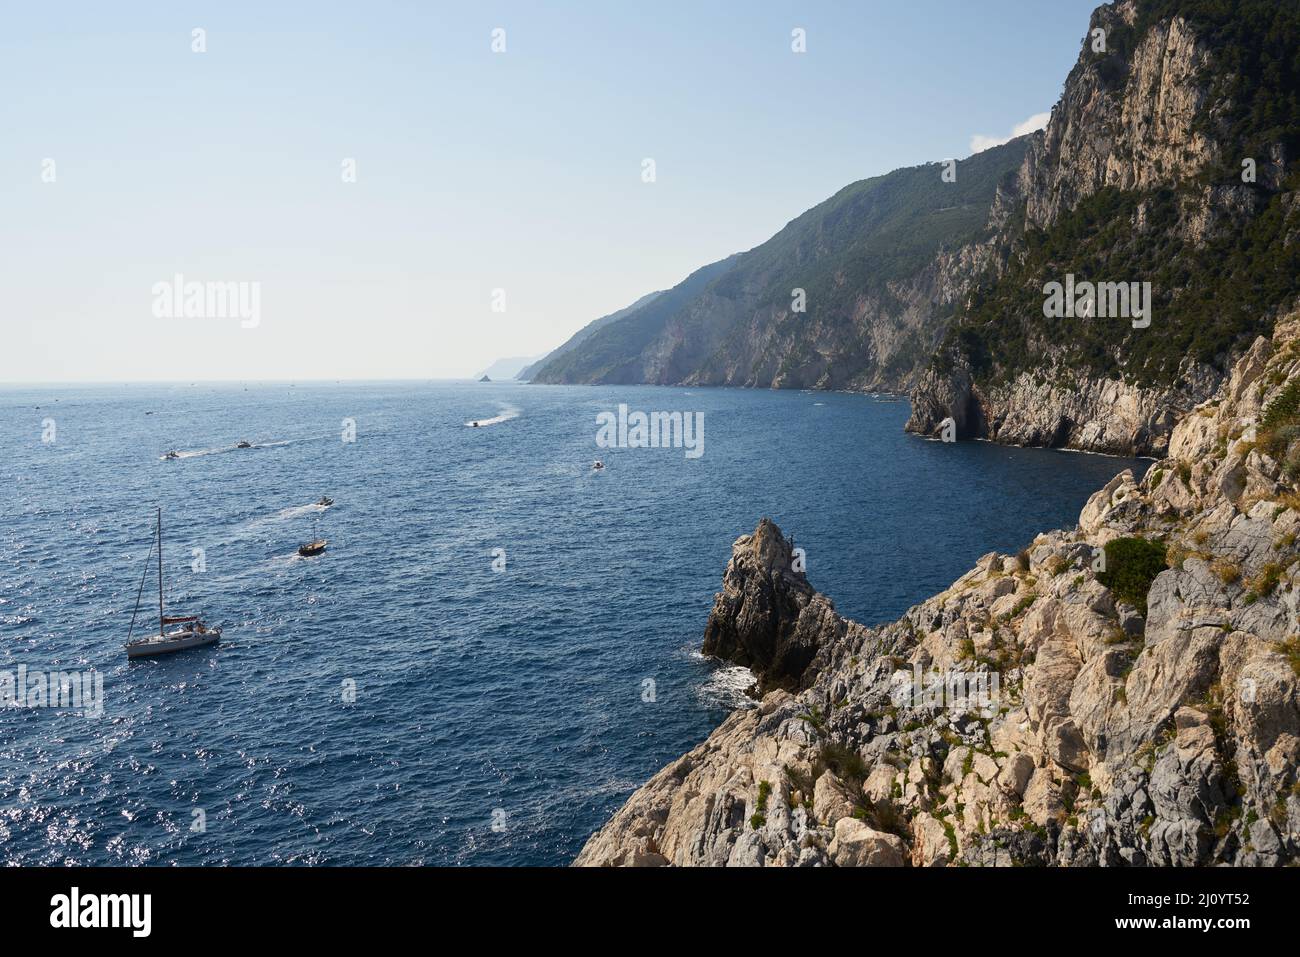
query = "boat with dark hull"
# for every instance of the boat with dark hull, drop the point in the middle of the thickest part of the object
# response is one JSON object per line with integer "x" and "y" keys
{"x": 312, "y": 548}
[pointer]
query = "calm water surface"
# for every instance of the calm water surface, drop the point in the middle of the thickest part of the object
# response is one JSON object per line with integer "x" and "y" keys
{"x": 517, "y": 692}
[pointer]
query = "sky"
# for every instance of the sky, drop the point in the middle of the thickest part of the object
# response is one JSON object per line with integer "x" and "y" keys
{"x": 385, "y": 196}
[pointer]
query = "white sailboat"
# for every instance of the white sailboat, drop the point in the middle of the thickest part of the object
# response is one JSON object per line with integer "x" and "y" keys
{"x": 192, "y": 633}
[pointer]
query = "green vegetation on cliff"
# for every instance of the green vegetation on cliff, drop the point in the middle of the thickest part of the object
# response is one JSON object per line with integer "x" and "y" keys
{"x": 1221, "y": 255}
{"x": 1256, "y": 50}
{"x": 733, "y": 322}
{"x": 1206, "y": 300}
{"x": 1132, "y": 564}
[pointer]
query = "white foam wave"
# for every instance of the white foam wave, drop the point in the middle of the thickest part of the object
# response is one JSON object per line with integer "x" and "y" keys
{"x": 725, "y": 688}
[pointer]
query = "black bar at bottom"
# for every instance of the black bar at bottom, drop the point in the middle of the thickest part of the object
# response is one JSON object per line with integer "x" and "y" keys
{"x": 334, "y": 905}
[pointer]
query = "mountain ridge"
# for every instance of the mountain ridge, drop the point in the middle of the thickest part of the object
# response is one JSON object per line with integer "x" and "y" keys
{"x": 581, "y": 335}
{"x": 1138, "y": 176}
{"x": 871, "y": 265}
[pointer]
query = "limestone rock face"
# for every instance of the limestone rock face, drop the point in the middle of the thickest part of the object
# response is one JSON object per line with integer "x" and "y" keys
{"x": 930, "y": 844}
{"x": 941, "y": 396}
{"x": 857, "y": 845}
{"x": 1134, "y": 135}
{"x": 1142, "y": 117}
{"x": 1069, "y": 410}
{"x": 831, "y": 800}
{"x": 767, "y": 617}
{"x": 1065, "y": 724}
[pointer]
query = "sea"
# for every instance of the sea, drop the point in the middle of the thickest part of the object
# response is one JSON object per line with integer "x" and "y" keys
{"x": 499, "y": 644}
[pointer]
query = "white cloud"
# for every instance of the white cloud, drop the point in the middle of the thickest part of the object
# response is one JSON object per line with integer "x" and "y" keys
{"x": 979, "y": 142}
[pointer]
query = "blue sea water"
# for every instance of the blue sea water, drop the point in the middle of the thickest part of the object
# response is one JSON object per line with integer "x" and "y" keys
{"x": 499, "y": 716}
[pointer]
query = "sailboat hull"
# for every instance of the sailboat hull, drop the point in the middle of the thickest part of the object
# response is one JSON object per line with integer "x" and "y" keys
{"x": 196, "y": 635}
{"x": 156, "y": 645}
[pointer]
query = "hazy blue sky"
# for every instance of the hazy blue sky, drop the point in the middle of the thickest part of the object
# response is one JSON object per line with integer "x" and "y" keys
{"x": 475, "y": 170}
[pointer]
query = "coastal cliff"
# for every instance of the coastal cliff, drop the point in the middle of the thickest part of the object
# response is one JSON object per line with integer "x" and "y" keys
{"x": 853, "y": 294}
{"x": 1168, "y": 166}
{"x": 1168, "y": 160}
{"x": 1126, "y": 691}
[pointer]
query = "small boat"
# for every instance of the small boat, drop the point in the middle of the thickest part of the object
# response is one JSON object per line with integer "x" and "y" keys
{"x": 475, "y": 424}
{"x": 173, "y": 454}
{"x": 325, "y": 501}
{"x": 597, "y": 465}
{"x": 243, "y": 444}
{"x": 312, "y": 548}
{"x": 192, "y": 633}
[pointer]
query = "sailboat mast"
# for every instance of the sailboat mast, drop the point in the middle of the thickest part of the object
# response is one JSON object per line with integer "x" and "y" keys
{"x": 161, "y": 630}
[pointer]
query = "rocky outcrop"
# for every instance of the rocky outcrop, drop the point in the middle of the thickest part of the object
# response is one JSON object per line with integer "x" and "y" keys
{"x": 1123, "y": 692}
{"x": 767, "y": 617}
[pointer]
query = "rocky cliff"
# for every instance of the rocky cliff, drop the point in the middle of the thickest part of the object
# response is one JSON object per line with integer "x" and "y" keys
{"x": 1169, "y": 160}
{"x": 767, "y": 617}
{"x": 1123, "y": 692}
{"x": 852, "y": 294}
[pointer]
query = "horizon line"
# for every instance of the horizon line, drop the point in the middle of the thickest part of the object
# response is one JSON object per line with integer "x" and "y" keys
{"x": 4, "y": 383}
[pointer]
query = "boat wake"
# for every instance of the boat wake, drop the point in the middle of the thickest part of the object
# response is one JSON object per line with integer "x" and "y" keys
{"x": 275, "y": 443}
{"x": 257, "y": 526}
{"x": 508, "y": 412}
{"x": 192, "y": 454}
{"x": 296, "y": 511}
{"x": 195, "y": 453}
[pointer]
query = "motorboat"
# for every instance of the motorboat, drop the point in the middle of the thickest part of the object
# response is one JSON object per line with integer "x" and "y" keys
{"x": 597, "y": 465}
{"x": 173, "y": 454}
{"x": 191, "y": 633}
{"x": 325, "y": 501}
{"x": 243, "y": 444}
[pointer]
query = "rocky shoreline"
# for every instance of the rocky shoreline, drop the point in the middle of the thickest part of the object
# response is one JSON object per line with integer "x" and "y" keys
{"x": 1073, "y": 411}
{"x": 1123, "y": 692}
